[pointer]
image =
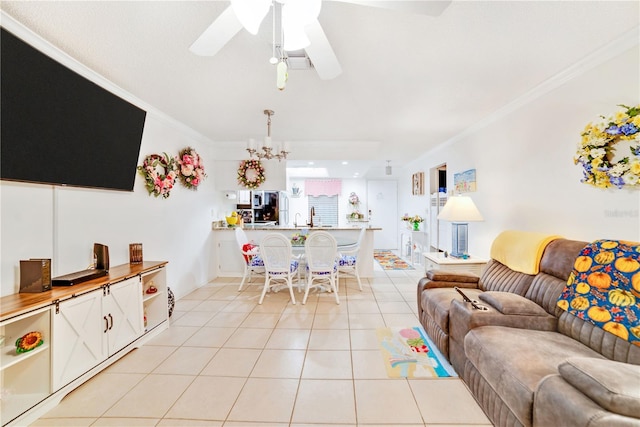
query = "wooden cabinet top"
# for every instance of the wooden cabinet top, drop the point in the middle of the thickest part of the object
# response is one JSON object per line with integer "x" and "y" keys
{"x": 16, "y": 304}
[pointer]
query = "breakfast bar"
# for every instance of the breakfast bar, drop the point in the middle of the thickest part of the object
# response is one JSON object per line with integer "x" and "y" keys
{"x": 228, "y": 260}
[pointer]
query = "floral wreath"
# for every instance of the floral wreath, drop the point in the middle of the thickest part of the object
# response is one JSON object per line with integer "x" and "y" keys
{"x": 159, "y": 174}
{"x": 257, "y": 177}
{"x": 191, "y": 170}
{"x": 596, "y": 149}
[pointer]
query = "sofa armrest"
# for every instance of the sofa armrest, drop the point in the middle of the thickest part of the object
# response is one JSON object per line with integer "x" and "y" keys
{"x": 613, "y": 385}
{"x": 463, "y": 318}
{"x": 426, "y": 283}
{"x": 448, "y": 276}
{"x": 556, "y": 402}
{"x": 509, "y": 303}
{"x": 445, "y": 279}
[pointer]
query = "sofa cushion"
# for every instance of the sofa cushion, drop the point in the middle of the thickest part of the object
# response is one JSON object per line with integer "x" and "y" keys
{"x": 513, "y": 361}
{"x": 499, "y": 277}
{"x": 508, "y": 303}
{"x": 559, "y": 256}
{"x": 613, "y": 385}
{"x": 437, "y": 301}
{"x": 448, "y": 276}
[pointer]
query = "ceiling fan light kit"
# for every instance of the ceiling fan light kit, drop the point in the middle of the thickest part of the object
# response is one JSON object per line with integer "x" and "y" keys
{"x": 282, "y": 75}
{"x": 299, "y": 29}
{"x": 250, "y": 13}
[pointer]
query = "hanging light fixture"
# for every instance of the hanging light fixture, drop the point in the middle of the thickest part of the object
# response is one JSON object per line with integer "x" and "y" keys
{"x": 387, "y": 170}
{"x": 268, "y": 151}
{"x": 250, "y": 13}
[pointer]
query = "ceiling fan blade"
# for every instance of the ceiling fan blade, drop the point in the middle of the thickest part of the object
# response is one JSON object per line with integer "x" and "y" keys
{"x": 217, "y": 34}
{"x": 321, "y": 53}
{"x": 427, "y": 7}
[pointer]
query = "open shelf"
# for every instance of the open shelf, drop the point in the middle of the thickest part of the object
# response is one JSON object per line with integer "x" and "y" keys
{"x": 10, "y": 357}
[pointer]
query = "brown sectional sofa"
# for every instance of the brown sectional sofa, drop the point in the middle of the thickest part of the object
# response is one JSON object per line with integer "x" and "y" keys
{"x": 528, "y": 362}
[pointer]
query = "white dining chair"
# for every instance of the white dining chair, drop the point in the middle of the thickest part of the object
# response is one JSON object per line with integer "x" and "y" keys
{"x": 348, "y": 261}
{"x": 321, "y": 255}
{"x": 250, "y": 255}
{"x": 279, "y": 263}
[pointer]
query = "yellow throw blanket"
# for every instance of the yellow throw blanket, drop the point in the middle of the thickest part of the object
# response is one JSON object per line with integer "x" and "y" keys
{"x": 521, "y": 250}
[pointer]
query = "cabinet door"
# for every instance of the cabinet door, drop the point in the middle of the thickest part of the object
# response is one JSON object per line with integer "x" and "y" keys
{"x": 230, "y": 260}
{"x": 244, "y": 197}
{"x": 78, "y": 334}
{"x": 122, "y": 306}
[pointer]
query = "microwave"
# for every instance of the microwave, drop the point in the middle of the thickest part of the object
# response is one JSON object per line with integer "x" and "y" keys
{"x": 257, "y": 199}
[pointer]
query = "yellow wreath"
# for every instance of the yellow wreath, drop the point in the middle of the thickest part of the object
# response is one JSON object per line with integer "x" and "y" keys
{"x": 596, "y": 149}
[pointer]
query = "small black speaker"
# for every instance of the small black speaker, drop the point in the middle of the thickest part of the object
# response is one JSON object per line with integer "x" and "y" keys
{"x": 101, "y": 255}
{"x": 35, "y": 275}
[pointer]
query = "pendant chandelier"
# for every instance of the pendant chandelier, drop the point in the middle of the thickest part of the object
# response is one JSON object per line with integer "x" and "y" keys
{"x": 268, "y": 151}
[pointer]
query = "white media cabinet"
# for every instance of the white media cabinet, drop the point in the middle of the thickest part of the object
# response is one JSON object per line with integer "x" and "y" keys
{"x": 85, "y": 328}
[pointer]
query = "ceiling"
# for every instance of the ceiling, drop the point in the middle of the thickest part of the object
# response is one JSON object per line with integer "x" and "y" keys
{"x": 409, "y": 81}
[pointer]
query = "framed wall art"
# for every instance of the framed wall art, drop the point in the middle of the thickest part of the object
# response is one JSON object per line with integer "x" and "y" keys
{"x": 465, "y": 182}
{"x": 417, "y": 184}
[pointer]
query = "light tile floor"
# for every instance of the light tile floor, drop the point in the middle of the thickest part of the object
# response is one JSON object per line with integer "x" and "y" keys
{"x": 227, "y": 361}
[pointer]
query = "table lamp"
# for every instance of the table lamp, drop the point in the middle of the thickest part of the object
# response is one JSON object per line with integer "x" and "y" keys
{"x": 459, "y": 210}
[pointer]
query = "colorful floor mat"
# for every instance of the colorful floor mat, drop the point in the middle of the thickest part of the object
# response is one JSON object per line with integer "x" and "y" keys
{"x": 409, "y": 353}
{"x": 390, "y": 261}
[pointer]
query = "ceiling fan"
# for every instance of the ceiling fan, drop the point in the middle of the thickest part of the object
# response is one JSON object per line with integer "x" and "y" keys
{"x": 299, "y": 25}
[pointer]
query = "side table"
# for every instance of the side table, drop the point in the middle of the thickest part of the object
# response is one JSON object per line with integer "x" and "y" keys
{"x": 437, "y": 260}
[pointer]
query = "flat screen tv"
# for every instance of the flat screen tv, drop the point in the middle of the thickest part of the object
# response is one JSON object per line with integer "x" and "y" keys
{"x": 60, "y": 128}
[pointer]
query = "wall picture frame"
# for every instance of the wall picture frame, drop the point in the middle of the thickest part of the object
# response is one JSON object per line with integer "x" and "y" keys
{"x": 417, "y": 184}
{"x": 465, "y": 182}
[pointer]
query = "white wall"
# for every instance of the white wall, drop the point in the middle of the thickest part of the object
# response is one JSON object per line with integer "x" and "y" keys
{"x": 526, "y": 178}
{"x": 62, "y": 223}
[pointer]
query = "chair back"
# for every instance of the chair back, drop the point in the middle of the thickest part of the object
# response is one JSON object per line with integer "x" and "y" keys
{"x": 241, "y": 237}
{"x": 360, "y": 239}
{"x": 321, "y": 251}
{"x": 275, "y": 250}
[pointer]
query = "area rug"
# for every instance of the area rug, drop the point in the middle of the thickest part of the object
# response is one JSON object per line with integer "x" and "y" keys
{"x": 389, "y": 261}
{"x": 409, "y": 353}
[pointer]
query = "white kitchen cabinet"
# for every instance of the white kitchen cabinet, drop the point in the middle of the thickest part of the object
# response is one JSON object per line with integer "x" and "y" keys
{"x": 244, "y": 197}
{"x": 24, "y": 377}
{"x": 230, "y": 260}
{"x": 89, "y": 328}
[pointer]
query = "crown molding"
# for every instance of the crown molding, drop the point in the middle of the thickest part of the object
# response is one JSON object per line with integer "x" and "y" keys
{"x": 605, "y": 53}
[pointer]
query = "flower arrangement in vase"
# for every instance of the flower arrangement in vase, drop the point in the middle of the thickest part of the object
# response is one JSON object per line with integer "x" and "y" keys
{"x": 298, "y": 239}
{"x": 415, "y": 220}
{"x": 354, "y": 200}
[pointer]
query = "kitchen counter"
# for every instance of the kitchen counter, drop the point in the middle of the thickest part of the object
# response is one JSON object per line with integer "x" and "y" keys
{"x": 256, "y": 227}
{"x": 228, "y": 260}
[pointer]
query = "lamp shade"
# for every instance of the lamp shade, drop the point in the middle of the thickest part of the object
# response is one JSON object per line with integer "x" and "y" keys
{"x": 460, "y": 209}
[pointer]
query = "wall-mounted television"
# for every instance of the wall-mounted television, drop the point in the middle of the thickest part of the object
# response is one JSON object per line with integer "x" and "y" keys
{"x": 57, "y": 127}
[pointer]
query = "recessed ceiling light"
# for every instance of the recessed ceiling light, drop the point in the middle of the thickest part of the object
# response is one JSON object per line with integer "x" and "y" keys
{"x": 311, "y": 163}
{"x": 345, "y": 163}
